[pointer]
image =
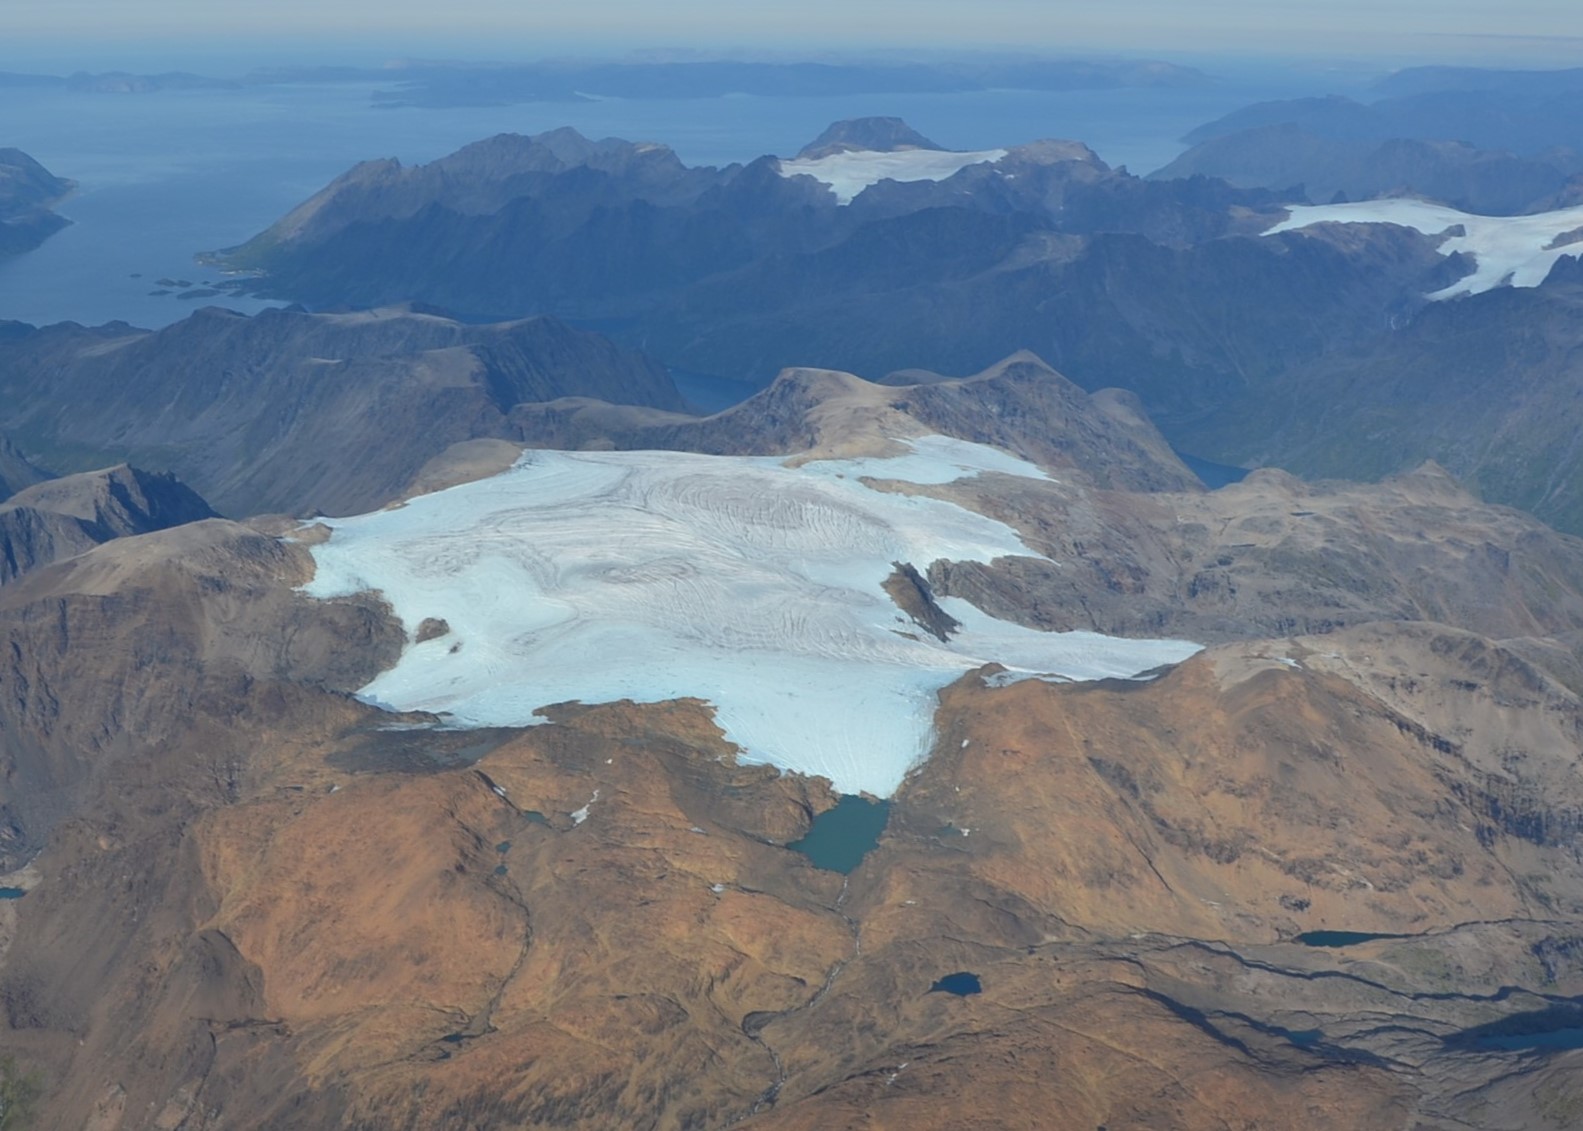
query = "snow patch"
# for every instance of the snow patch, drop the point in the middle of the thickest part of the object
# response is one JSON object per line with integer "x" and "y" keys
{"x": 650, "y": 576}
{"x": 851, "y": 172}
{"x": 581, "y": 815}
{"x": 1507, "y": 250}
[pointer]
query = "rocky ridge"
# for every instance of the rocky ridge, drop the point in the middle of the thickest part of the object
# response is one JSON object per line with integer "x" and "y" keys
{"x": 290, "y": 411}
{"x": 1020, "y": 405}
{"x": 60, "y": 518}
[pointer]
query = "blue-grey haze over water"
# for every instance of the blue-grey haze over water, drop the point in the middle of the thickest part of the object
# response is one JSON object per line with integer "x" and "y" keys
{"x": 165, "y": 175}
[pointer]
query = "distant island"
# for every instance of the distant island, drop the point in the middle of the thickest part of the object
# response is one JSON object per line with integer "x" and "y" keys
{"x": 28, "y": 191}
{"x": 426, "y": 84}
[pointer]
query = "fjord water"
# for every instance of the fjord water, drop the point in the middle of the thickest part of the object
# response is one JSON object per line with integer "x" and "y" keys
{"x": 165, "y": 175}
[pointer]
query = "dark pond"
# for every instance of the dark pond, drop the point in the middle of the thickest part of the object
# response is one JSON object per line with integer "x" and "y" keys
{"x": 1555, "y": 1039}
{"x": 1303, "y": 1038}
{"x": 842, "y": 836}
{"x": 1556, "y": 1027}
{"x": 1213, "y": 474}
{"x": 961, "y": 984}
{"x": 1340, "y": 938}
{"x": 12, "y": 893}
{"x": 712, "y": 394}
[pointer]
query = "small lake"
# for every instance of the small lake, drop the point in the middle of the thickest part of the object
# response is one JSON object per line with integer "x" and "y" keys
{"x": 842, "y": 836}
{"x": 12, "y": 893}
{"x": 1515, "y": 1042}
{"x": 961, "y": 984}
{"x": 1340, "y": 938}
{"x": 1214, "y": 475}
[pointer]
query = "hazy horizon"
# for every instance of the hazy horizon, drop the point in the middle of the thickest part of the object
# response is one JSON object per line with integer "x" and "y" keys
{"x": 109, "y": 33}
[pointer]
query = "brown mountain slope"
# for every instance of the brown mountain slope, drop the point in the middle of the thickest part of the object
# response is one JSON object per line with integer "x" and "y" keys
{"x": 143, "y": 640}
{"x": 339, "y": 942}
{"x": 1269, "y": 556}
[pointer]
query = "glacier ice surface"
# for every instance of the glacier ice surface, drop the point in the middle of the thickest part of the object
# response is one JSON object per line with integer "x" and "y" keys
{"x": 756, "y": 586}
{"x": 1511, "y": 250}
{"x": 851, "y": 172}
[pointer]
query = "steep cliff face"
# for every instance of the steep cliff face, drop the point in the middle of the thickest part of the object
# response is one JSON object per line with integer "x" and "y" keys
{"x": 15, "y": 470}
{"x": 60, "y": 518}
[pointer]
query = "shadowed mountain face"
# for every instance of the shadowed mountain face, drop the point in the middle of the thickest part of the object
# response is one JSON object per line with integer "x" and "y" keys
{"x": 27, "y": 190}
{"x": 627, "y": 238}
{"x": 289, "y": 411}
{"x": 63, "y": 517}
{"x": 1156, "y": 287}
{"x": 1237, "y": 343}
{"x": 1496, "y": 142}
{"x": 15, "y": 471}
{"x": 1489, "y": 181}
{"x": 1489, "y": 386}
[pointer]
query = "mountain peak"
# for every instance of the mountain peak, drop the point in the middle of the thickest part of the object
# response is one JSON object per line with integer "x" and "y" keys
{"x": 873, "y": 135}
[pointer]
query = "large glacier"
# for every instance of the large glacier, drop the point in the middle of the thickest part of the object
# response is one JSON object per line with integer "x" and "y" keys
{"x": 1507, "y": 250}
{"x": 658, "y": 575}
{"x": 850, "y": 172}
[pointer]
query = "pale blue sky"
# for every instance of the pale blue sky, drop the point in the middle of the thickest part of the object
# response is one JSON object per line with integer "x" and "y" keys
{"x": 1449, "y": 28}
